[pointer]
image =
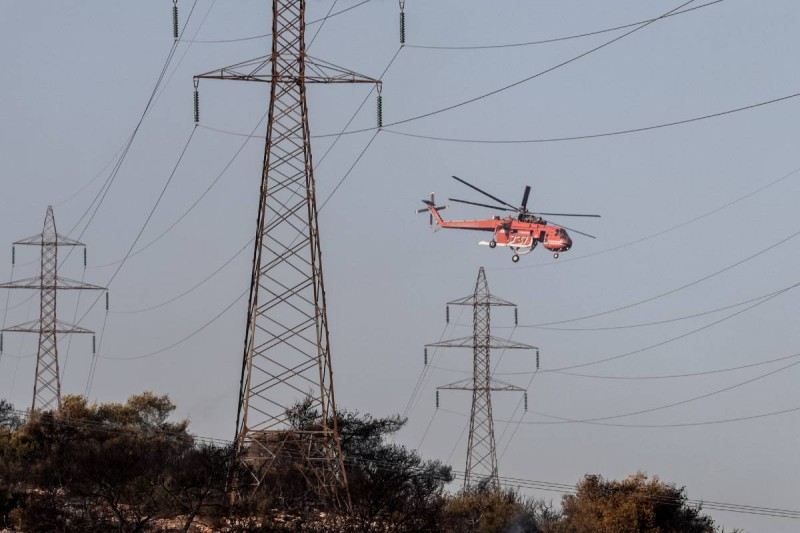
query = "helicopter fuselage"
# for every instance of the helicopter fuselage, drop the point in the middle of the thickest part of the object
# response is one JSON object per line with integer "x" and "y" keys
{"x": 523, "y": 235}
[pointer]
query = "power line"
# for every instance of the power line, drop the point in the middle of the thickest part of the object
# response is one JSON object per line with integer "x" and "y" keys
{"x": 146, "y": 221}
{"x": 265, "y": 35}
{"x": 595, "y": 135}
{"x": 519, "y": 82}
{"x": 190, "y": 289}
{"x": 98, "y": 200}
{"x": 664, "y": 231}
{"x": 671, "y": 339}
{"x": 651, "y": 377}
{"x": 555, "y": 39}
{"x": 653, "y": 322}
{"x": 321, "y": 25}
{"x": 693, "y": 398}
{"x": 679, "y": 288}
{"x": 676, "y": 425}
{"x": 554, "y": 139}
{"x": 183, "y": 339}
{"x": 193, "y": 204}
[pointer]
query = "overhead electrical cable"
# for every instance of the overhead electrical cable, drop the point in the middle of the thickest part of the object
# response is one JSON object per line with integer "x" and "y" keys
{"x": 95, "y": 178}
{"x": 95, "y": 357}
{"x": 677, "y": 289}
{"x": 145, "y": 223}
{"x": 192, "y": 288}
{"x": 427, "y": 429}
{"x": 675, "y": 376}
{"x": 666, "y": 230}
{"x": 94, "y": 206}
{"x": 5, "y": 308}
{"x": 321, "y": 25}
{"x": 650, "y": 323}
{"x": 183, "y": 339}
{"x": 192, "y": 205}
{"x": 554, "y": 39}
{"x": 673, "y": 425}
{"x": 265, "y": 35}
{"x": 594, "y": 135}
{"x": 688, "y": 400}
{"x": 516, "y": 83}
{"x": 635, "y": 378}
{"x": 150, "y": 103}
{"x": 186, "y": 50}
{"x": 671, "y": 339}
{"x": 556, "y": 139}
{"x": 424, "y": 375}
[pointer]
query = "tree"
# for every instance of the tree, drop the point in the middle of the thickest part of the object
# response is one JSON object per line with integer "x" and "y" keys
{"x": 90, "y": 467}
{"x": 10, "y": 419}
{"x": 488, "y": 511}
{"x": 388, "y": 482}
{"x": 635, "y": 504}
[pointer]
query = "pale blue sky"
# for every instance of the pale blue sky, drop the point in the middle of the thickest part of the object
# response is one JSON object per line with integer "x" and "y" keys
{"x": 78, "y": 74}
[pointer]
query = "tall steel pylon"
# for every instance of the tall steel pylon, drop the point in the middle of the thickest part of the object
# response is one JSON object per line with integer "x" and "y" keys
{"x": 47, "y": 386}
{"x": 287, "y": 354}
{"x": 481, "y": 468}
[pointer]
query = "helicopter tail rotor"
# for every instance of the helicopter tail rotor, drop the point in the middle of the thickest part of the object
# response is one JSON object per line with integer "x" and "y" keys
{"x": 431, "y": 203}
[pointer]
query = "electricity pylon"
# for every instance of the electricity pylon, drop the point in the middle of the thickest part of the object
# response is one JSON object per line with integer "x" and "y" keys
{"x": 287, "y": 351}
{"x": 481, "y": 466}
{"x": 47, "y": 387}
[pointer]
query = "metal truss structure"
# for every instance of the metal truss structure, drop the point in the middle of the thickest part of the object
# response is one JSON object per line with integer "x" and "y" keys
{"x": 47, "y": 387}
{"x": 481, "y": 468}
{"x": 287, "y": 357}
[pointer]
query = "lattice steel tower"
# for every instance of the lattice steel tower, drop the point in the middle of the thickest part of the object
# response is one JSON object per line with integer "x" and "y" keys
{"x": 287, "y": 352}
{"x": 47, "y": 387}
{"x": 481, "y": 465}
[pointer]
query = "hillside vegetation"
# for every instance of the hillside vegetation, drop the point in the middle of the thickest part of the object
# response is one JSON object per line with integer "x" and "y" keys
{"x": 129, "y": 468}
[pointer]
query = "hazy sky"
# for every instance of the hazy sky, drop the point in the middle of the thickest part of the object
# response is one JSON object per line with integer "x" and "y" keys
{"x": 77, "y": 76}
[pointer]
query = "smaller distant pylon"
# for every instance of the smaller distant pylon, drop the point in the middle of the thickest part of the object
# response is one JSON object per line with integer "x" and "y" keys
{"x": 481, "y": 468}
{"x": 47, "y": 386}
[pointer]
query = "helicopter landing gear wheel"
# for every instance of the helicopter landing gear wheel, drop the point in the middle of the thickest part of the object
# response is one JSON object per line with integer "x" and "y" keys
{"x": 555, "y": 255}
{"x": 492, "y": 243}
{"x": 515, "y": 258}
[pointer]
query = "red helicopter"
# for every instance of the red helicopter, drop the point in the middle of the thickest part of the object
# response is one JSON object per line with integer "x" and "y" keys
{"x": 521, "y": 233}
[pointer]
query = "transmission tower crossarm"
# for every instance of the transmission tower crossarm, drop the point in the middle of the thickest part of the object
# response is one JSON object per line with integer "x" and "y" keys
{"x": 490, "y": 300}
{"x": 35, "y": 326}
{"x": 488, "y": 342}
{"x": 48, "y": 239}
{"x": 58, "y": 282}
{"x": 491, "y": 385}
{"x": 259, "y": 70}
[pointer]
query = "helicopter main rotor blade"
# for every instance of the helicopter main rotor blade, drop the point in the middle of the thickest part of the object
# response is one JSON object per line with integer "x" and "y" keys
{"x": 525, "y": 196}
{"x": 565, "y": 215}
{"x": 485, "y": 193}
{"x": 482, "y": 205}
{"x": 576, "y": 231}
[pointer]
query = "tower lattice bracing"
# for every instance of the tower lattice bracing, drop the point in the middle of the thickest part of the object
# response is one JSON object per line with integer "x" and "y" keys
{"x": 47, "y": 386}
{"x": 287, "y": 357}
{"x": 481, "y": 466}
